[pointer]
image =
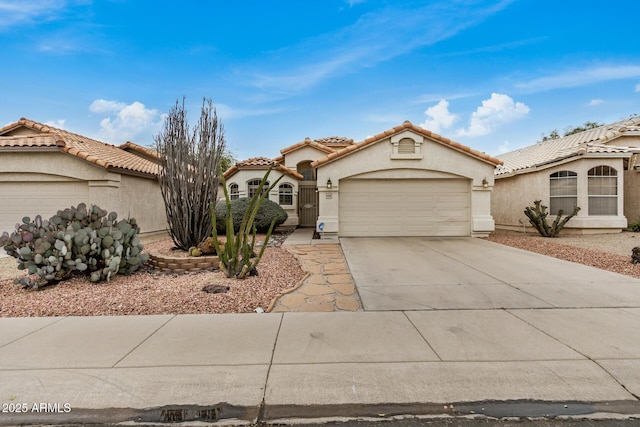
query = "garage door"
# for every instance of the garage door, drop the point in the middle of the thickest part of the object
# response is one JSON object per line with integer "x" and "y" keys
{"x": 414, "y": 207}
{"x": 21, "y": 199}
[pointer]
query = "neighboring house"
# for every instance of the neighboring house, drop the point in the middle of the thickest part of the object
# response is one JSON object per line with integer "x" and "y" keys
{"x": 44, "y": 169}
{"x": 597, "y": 170}
{"x": 406, "y": 181}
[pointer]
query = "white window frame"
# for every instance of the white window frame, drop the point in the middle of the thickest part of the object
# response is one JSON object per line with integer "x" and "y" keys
{"x": 285, "y": 190}
{"x": 602, "y": 187}
{"x": 253, "y": 184}
{"x": 559, "y": 201}
{"x": 234, "y": 191}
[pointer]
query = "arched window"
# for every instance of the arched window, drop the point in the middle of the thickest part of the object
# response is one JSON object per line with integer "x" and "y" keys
{"x": 603, "y": 190}
{"x": 234, "y": 192}
{"x": 285, "y": 194}
{"x": 563, "y": 192}
{"x": 305, "y": 169}
{"x": 252, "y": 187}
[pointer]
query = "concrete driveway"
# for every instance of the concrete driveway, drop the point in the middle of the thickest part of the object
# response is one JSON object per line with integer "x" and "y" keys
{"x": 413, "y": 273}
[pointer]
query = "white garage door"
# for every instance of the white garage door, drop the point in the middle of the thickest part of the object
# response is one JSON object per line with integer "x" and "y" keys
{"x": 19, "y": 199}
{"x": 413, "y": 207}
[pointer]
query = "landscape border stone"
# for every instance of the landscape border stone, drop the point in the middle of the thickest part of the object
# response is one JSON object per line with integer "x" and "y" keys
{"x": 174, "y": 264}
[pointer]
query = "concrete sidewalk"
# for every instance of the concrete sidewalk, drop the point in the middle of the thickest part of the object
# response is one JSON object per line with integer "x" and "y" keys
{"x": 245, "y": 367}
{"x": 576, "y": 352}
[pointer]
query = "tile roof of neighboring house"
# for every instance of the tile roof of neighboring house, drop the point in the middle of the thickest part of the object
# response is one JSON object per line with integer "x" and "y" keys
{"x": 592, "y": 141}
{"x": 260, "y": 163}
{"x": 105, "y": 155}
{"x": 404, "y": 126}
{"x": 307, "y": 143}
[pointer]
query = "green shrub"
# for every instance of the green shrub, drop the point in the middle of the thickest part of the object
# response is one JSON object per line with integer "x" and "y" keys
{"x": 237, "y": 258}
{"x": 634, "y": 226}
{"x": 267, "y": 211}
{"x": 89, "y": 241}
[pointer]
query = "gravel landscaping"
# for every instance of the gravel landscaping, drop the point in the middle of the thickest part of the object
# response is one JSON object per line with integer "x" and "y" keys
{"x": 151, "y": 292}
{"x": 611, "y": 252}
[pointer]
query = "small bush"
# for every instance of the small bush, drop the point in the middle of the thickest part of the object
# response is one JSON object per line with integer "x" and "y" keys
{"x": 634, "y": 226}
{"x": 266, "y": 213}
{"x": 88, "y": 241}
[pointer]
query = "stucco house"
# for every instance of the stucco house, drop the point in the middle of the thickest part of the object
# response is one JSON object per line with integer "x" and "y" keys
{"x": 406, "y": 181}
{"x": 44, "y": 169}
{"x": 597, "y": 170}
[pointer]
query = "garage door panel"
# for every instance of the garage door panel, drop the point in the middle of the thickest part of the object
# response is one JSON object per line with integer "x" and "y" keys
{"x": 420, "y": 207}
{"x": 21, "y": 199}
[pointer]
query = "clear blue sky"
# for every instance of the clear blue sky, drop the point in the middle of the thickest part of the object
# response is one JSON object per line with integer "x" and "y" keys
{"x": 493, "y": 75}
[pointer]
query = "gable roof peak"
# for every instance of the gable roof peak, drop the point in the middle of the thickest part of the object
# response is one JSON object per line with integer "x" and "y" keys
{"x": 417, "y": 129}
{"x": 93, "y": 151}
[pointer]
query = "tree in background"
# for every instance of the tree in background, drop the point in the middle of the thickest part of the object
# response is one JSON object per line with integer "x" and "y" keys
{"x": 570, "y": 130}
{"x": 189, "y": 171}
{"x": 227, "y": 160}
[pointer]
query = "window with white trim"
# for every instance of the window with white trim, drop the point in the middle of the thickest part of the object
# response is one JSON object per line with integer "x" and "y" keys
{"x": 234, "y": 191}
{"x": 603, "y": 190}
{"x": 285, "y": 194}
{"x": 563, "y": 192}
{"x": 254, "y": 184}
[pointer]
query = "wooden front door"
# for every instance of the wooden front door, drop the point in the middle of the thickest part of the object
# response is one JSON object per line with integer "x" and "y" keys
{"x": 307, "y": 206}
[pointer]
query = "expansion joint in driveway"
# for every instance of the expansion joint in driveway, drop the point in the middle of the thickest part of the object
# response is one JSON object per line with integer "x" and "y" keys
{"x": 261, "y": 410}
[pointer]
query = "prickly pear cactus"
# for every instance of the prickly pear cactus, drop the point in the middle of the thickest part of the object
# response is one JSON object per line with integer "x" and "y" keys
{"x": 77, "y": 239}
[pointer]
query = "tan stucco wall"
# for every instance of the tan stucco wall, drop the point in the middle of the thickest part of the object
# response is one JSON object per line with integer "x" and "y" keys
{"x": 436, "y": 160}
{"x": 141, "y": 199}
{"x": 512, "y": 194}
{"x": 632, "y": 195}
{"x": 123, "y": 194}
{"x": 243, "y": 176}
{"x": 292, "y": 159}
{"x": 625, "y": 141}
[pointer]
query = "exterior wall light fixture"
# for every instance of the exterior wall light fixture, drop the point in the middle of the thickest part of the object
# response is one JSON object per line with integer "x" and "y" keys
{"x": 329, "y": 183}
{"x": 485, "y": 183}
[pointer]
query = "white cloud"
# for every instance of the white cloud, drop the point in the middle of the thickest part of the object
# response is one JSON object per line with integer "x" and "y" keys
{"x": 375, "y": 37}
{"x": 127, "y": 122}
{"x": 638, "y": 88}
{"x": 19, "y": 12}
{"x": 439, "y": 117}
{"x": 581, "y": 77}
{"x": 103, "y": 106}
{"x": 595, "y": 102}
{"x": 495, "y": 111}
{"x": 225, "y": 112}
{"x": 504, "y": 148}
{"x": 56, "y": 123}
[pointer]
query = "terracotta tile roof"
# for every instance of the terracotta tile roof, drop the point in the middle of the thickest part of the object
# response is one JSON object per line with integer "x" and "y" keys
{"x": 592, "y": 141}
{"x": 307, "y": 143}
{"x": 260, "y": 163}
{"x": 130, "y": 146}
{"x": 93, "y": 151}
{"x": 35, "y": 140}
{"x": 335, "y": 140}
{"x": 404, "y": 126}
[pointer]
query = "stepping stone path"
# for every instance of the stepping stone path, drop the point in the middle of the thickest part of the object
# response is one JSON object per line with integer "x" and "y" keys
{"x": 329, "y": 286}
